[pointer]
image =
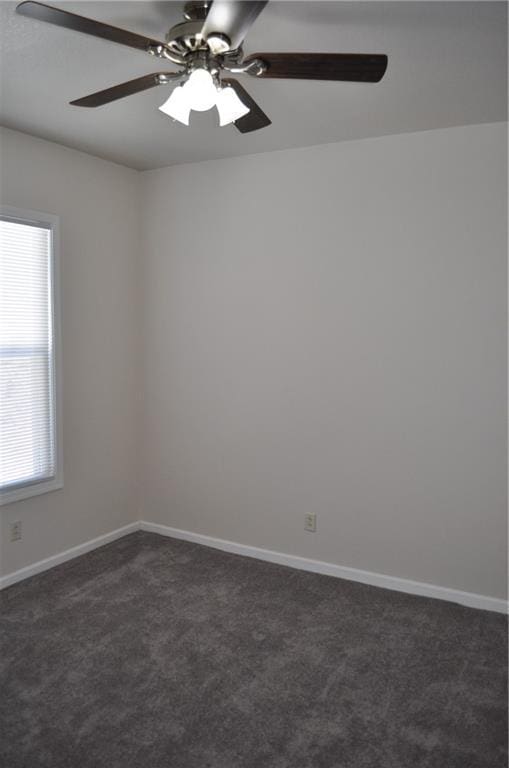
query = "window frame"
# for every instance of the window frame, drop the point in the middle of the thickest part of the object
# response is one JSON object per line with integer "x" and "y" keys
{"x": 26, "y": 489}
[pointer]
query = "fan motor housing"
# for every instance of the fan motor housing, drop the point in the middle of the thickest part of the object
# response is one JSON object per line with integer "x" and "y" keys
{"x": 186, "y": 38}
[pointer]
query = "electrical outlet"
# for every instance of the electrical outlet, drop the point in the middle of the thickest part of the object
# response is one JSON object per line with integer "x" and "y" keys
{"x": 15, "y": 529}
{"x": 310, "y": 523}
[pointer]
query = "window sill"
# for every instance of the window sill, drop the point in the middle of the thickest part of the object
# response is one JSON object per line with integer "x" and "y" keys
{"x": 30, "y": 489}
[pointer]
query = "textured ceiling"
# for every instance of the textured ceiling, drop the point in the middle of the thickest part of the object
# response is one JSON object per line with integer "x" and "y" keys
{"x": 447, "y": 66}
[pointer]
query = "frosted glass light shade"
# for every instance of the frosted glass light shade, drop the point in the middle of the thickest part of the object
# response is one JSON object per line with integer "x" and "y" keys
{"x": 200, "y": 90}
{"x": 229, "y": 106}
{"x": 177, "y": 106}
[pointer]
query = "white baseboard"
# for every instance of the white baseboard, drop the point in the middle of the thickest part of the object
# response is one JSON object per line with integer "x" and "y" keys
{"x": 469, "y": 599}
{"x": 69, "y": 554}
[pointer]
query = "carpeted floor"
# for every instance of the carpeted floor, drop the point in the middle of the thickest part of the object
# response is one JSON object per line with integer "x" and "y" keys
{"x": 157, "y": 653}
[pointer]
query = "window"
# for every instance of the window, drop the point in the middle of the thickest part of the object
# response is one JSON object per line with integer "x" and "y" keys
{"x": 30, "y": 392}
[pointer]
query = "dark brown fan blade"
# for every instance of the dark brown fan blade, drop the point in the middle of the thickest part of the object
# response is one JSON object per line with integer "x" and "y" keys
{"x": 69, "y": 20}
{"x": 357, "y": 67}
{"x": 256, "y": 117}
{"x": 126, "y": 89}
{"x": 232, "y": 18}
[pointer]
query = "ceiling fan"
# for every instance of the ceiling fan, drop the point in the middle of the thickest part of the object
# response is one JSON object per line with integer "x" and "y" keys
{"x": 206, "y": 45}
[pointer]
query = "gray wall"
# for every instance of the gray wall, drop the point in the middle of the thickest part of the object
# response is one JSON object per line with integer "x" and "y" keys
{"x": 98, "y": 207}
{"x": 325, "y": 331}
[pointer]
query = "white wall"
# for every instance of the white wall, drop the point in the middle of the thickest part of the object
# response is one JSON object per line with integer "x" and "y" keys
{"x": 98, "y": 207}
{"x": 325, "y": 331}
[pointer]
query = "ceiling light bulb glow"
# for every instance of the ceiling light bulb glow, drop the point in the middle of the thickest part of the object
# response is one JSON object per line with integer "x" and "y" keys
{"x": 200, "y": 90}
{"x": 229, "y": 106}
{"x": 177, "y": 106}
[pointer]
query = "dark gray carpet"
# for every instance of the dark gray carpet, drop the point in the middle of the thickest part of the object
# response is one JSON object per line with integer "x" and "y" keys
{"x": 156, "y": 653}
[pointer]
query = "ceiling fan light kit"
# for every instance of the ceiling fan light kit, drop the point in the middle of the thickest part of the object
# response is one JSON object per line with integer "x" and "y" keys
{"x": 202, "y": 92}
{"x": 205, "y": 45}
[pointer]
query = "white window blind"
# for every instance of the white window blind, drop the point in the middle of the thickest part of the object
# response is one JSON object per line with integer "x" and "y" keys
{"x": 28, "y": 412}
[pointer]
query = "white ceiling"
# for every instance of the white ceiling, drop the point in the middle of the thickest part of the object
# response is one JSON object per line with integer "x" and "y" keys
{"x": 447, "y": 66}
